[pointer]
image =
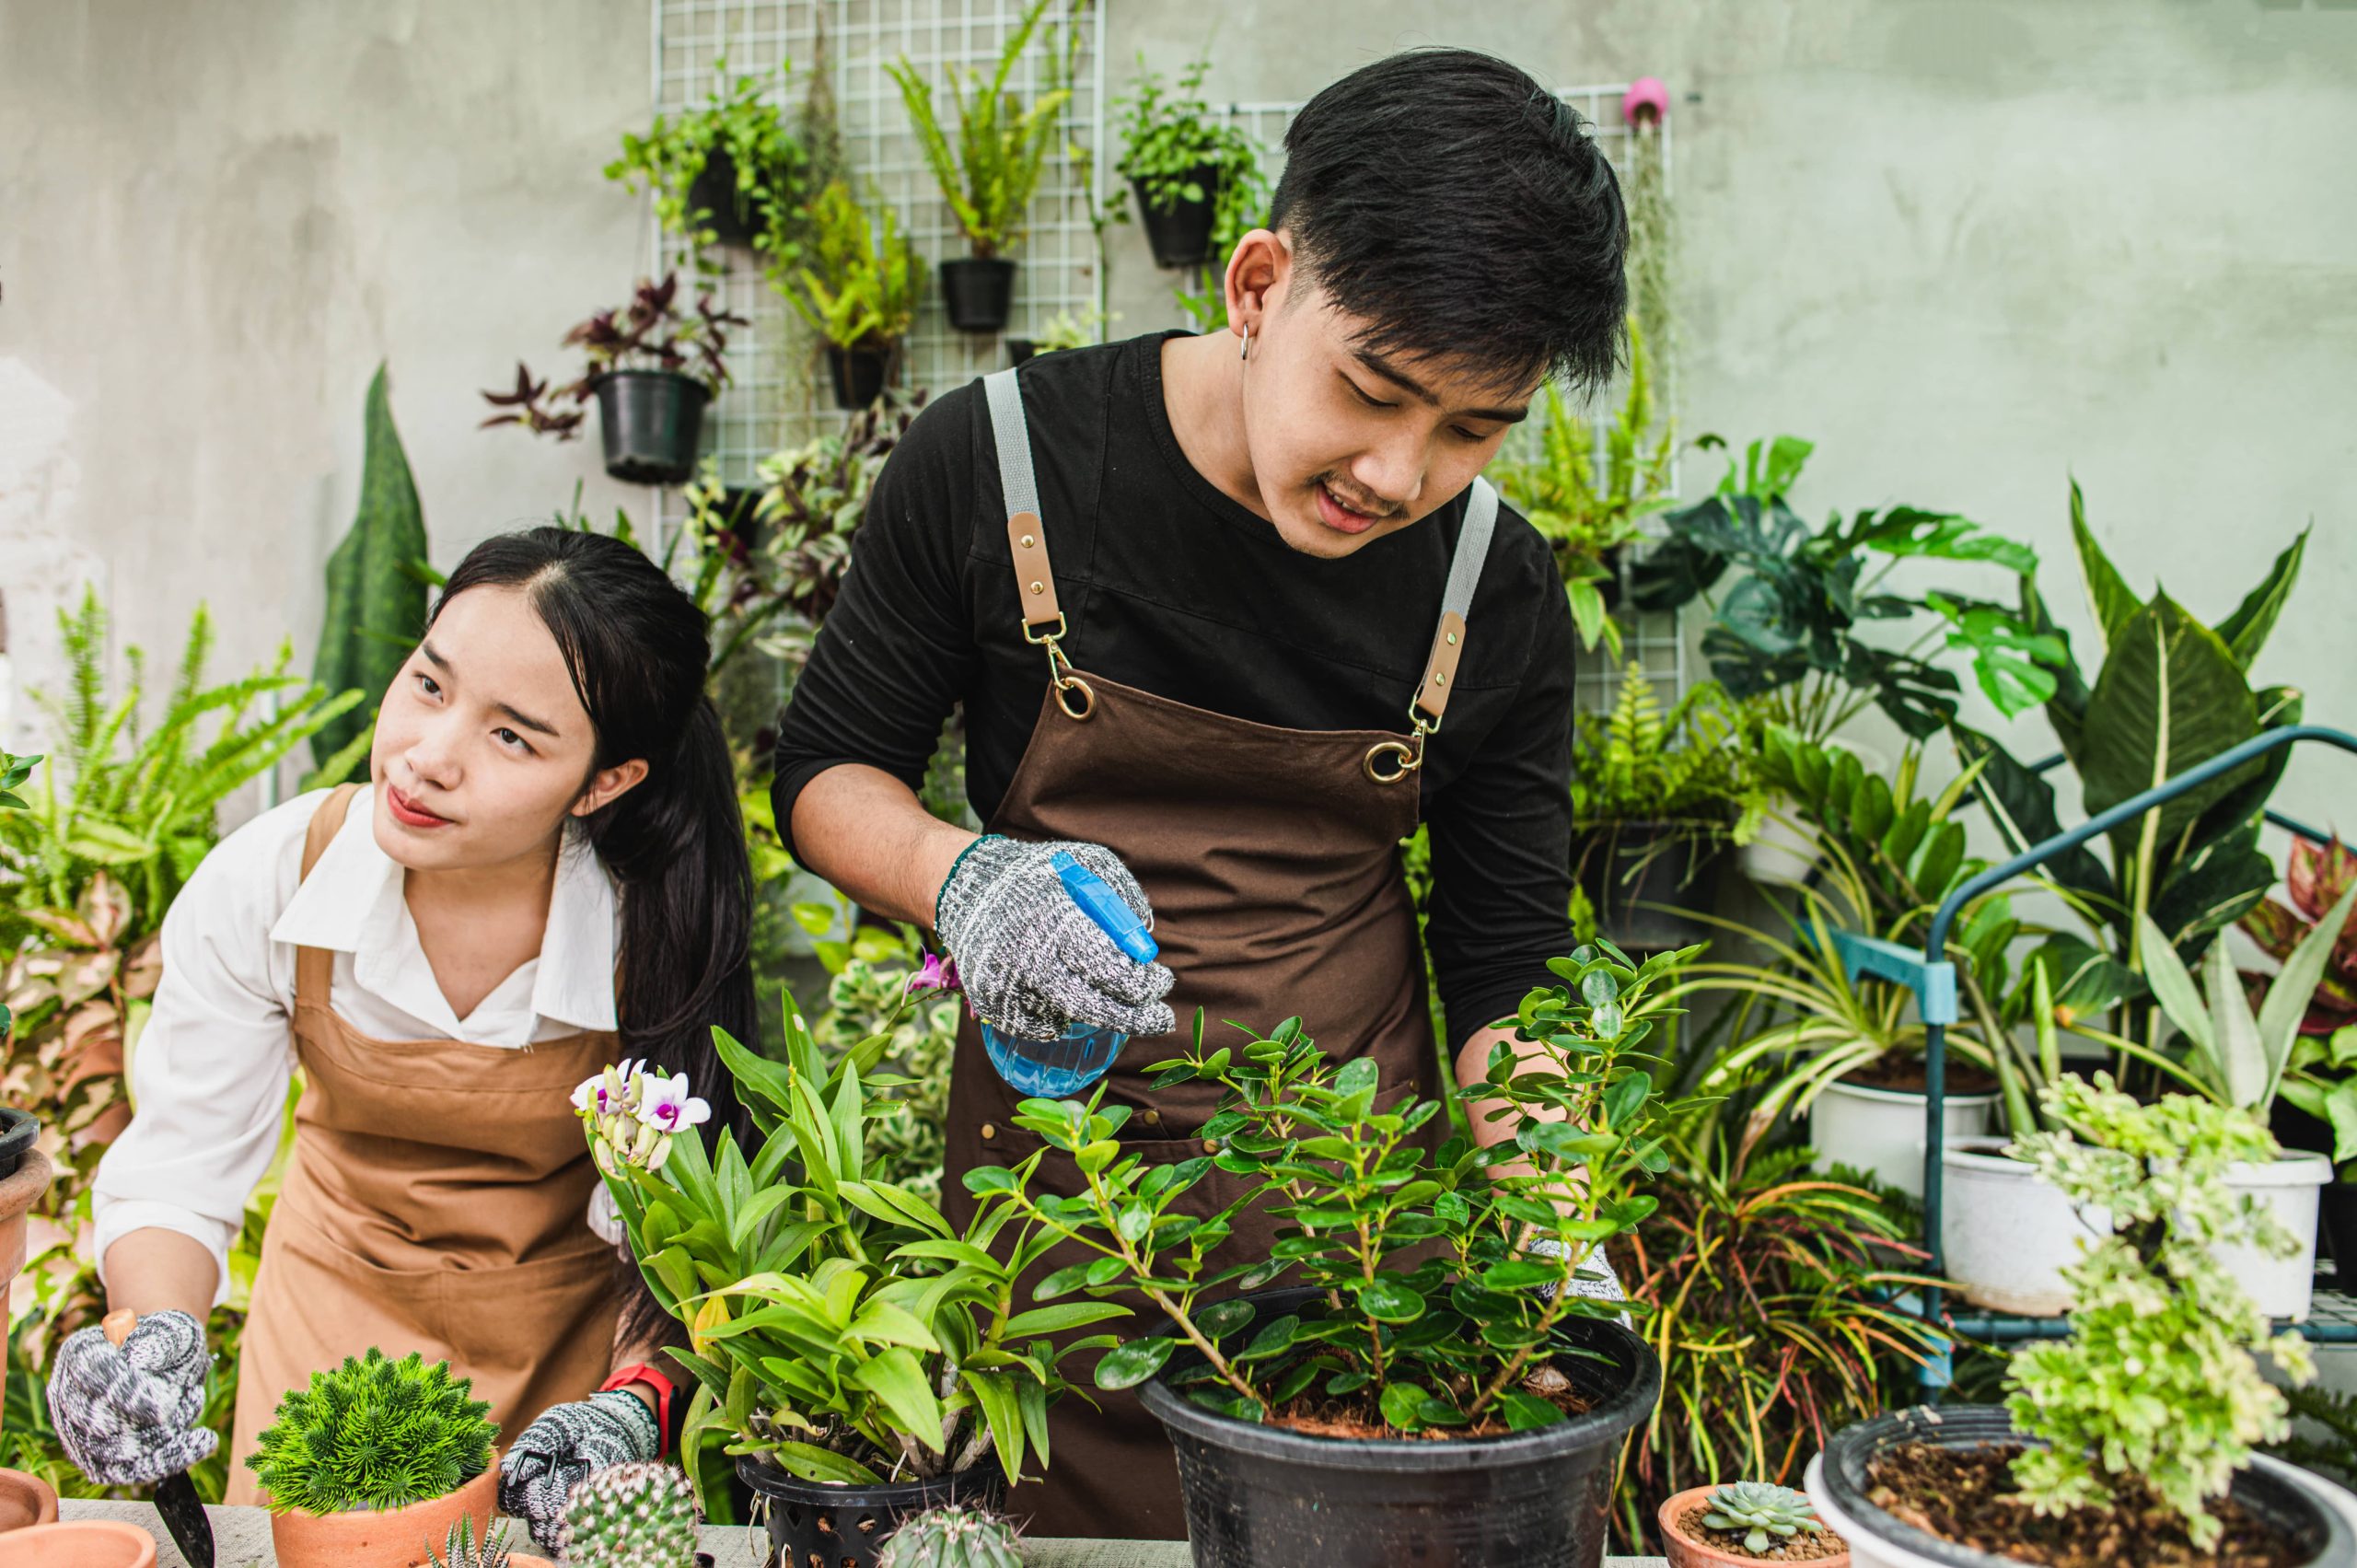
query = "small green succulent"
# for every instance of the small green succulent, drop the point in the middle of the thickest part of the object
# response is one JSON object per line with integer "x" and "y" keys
{"x": 462, "y": 1549}
{"x": 636, "y": 1516}
{"x": 1765, "y": 1512}
{"x": 373, "y": 1434}
{"x": 952, "y": 1537}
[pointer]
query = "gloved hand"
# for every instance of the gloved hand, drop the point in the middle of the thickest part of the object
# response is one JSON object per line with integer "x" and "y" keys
{"x": 541, "y": 1468}
{"x": 1031, "y": 962}
{"x": 127, "y": 1414}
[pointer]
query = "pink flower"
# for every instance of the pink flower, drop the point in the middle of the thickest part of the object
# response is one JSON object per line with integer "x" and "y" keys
{"x": 938, "y": 973}
{"x": 669, "y": 1107}
{"x": 1645, "y": 103}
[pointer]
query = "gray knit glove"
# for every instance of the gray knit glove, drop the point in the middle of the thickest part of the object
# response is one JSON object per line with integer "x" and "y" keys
{"x": 1031, "y": 962}
{"x": 1594, "y": 1278}
{"x": 541, "y": 1468}
{"x": 127, "y": 1414}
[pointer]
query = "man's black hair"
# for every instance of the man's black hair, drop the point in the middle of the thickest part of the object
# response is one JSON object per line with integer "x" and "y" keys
{"x": 1464, "y": 213}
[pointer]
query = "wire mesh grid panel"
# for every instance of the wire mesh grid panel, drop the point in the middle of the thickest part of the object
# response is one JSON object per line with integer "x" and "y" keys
{"x": 779, "y": 396}
{"x": 1654, "y": 641}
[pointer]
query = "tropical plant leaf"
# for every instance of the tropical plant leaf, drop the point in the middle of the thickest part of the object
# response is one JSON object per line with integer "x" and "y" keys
{"x": 376, "y": 609}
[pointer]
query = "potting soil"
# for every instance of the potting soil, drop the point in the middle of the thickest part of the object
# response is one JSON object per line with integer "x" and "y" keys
{"x": 1357, "y": 1417}
{"x": 1810, "y": 1546}
{"x": 1968, "y": 1495}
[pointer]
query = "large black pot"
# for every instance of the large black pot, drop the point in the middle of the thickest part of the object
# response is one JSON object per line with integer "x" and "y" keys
{"x": 650, "y": 421}
{"x": 714, "y": 190}
{"x": 1258, "y": 1496}
{"x": 1180, "y": 234}
{"x": 1838, "y": 1480}
{"x": 1646, "y": 881}
{"x": 845, "y": 1527}
{"x": 979, "y": 290}
{"x": 860, "y": 373}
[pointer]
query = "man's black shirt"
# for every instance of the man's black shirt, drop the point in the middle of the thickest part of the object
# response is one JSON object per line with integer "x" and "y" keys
{"x": 1171, "y": 587}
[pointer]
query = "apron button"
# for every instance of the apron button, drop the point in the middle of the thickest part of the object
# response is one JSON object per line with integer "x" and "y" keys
{"x": 989, "y": 1132}
{"x": 1211, "y": 1146}
{"x": 1152, "y": 1118}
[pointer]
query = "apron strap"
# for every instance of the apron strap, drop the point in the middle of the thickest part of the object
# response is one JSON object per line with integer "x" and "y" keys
{"x": 1464, "y": 573}
{"x": 315, "y": 967}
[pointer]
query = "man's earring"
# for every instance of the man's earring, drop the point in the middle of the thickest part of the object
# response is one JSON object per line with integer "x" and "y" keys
{"x": 1246, "y": 352}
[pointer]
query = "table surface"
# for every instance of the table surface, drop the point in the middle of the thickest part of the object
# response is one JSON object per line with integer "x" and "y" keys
{"x": 241, "y": 1539}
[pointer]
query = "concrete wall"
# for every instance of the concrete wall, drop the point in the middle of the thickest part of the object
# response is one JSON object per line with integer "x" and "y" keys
{"x": 1970, "y": 247}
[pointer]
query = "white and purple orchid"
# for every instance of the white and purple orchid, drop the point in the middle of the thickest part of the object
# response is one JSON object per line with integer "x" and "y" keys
{"x": 634, "y": 1113}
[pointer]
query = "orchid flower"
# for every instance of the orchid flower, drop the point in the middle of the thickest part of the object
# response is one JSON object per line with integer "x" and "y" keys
{"x": 668, "y": 1106}
{"x": 938, "y": 973}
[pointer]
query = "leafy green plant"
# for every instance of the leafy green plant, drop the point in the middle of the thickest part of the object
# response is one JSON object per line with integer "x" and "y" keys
{"x": 1637, "y": 763}
{"x": 460, "y": 1549}
{"x": 1766, "y": 1514}
{"x": 862, "y": 292}
{"x": 838, "y": 1325}
{"x": 952, "y": 1537}
{"x": 1788, "y": 631}
{"x": 629, "y": 1515}
{"x": 739, "y": 121}
{"x": 2159, "y": 1380}
{"x": 990, "y": 175}
{"x": 1468, "y": 1336}
{"x": 1174, "y": 149}
{"x": 1589, "y": 516}
{"x": 2318, "y": 875}
{"x": 813, "y": 500}
{"x": 376, "y": 599}
{"x": 373, "y": 1434}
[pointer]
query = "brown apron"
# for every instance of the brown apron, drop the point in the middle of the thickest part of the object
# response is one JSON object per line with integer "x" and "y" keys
{"x": 436, "y": 1201}
{"x": 1270, "y": 857}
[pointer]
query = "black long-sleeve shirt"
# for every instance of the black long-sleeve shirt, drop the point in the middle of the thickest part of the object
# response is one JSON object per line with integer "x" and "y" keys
{"x": 1171, "y": 587}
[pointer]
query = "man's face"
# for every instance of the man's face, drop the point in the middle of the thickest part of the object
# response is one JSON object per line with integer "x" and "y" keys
{"x": 1348, "y": 447}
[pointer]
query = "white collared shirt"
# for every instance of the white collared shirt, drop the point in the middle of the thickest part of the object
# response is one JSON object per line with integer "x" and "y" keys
{"x": 209, "y": 1072}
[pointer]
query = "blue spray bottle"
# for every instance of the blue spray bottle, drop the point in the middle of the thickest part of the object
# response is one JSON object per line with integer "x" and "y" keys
{"x": 1056, "y": 1069}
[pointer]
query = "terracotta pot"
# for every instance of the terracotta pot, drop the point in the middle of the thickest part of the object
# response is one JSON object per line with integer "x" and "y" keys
{"x": 1684, "y": 1551}
{"x": 25, "y": 1500}
{"x": 399, "y": 1538}
{"x": 84, "y": 1543}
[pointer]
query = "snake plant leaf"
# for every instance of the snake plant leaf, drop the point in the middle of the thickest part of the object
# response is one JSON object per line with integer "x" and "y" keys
{"x": 376, "y": 609}
{"x": 2286, "y": 1004}
{"x": 2247, "y": 628}
{"x": 2113, "y": 602}
{"x": 2173, "y": 987}
{"x": 2170, "y": 697}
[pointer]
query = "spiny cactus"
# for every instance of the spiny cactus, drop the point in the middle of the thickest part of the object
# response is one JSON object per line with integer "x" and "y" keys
{"x": 952, "y": 1537}
{"x": 462, "y": 1549}
{"x": 373, "y": 1434}
{"x": 1763, "y": 1510}
{"x": 639, "y": 1515}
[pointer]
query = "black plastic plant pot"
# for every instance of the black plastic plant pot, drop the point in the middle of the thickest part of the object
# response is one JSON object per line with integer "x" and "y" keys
{"x": 861, "y": 374}
{"x": 650, "y": 421}
{"x": 1180, "y": 234}
{"x": 846, "y": 1526}
{"x": 18, "y": 1133}
{"x": 1259, "y": 1495}
{"x": 1647, "y": 880}
{"x": 715, "y": 190}
{"x": 2337, "y": 1208}
{"x": 979, "y": 290}
{"x": 1020, "y": 349}
{"x": 1840, "y": 1478}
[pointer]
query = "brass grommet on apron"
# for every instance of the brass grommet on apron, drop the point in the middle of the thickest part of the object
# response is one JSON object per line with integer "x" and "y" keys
{"x": 989, "y": 1132}
{"x": 1406, "y": 762}
{"x": 1151, "y": 1116}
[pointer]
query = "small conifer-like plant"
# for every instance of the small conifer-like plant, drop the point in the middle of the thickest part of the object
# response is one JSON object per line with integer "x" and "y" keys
{"x": 635, "y": 1516}
{"x": 373, "y": 1433}
{"x": 952, "y": 1537}
{"x": 1768, "y": 1514}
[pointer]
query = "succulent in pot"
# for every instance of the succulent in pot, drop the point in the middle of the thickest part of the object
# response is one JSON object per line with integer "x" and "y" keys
{"x": 374, "y": 1462}
{"x": 1439, "y": 1293}
{"x": 631, "y": 1516}
{"x": 863, "y": 1360}
{"x": 652, "y": 366}
{"x": 1744, "y": 1522}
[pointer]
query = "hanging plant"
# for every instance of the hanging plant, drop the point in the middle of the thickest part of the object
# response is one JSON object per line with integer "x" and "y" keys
{"x": 729, "y": 172}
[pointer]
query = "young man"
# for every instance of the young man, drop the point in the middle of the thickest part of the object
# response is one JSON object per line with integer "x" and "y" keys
{"x": 1229, "y": 616}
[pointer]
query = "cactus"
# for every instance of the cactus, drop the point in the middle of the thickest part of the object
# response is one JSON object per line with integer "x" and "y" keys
{"x": 952, "y": 1537}
{"x": 637, "y": 1516}
{"x": 376, "y": 599}
{"x": 1763, "y": 1511}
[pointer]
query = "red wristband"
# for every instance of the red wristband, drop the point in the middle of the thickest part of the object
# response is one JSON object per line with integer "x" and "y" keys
{"x": 663, "y": 1391}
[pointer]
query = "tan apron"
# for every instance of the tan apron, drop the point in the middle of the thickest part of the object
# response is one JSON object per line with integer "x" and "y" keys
{"x": 436, "y": 1201}
{"x": 1271, "y": 859}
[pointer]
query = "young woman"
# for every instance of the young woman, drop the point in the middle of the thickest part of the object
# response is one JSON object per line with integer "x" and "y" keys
{"x": 545, "y": 873}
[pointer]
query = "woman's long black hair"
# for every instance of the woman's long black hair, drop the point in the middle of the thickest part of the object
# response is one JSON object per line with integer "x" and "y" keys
{"x": 637, "y": 648}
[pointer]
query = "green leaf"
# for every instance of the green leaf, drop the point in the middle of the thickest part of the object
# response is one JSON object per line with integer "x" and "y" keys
{"x": 1387, "y": 1298}
{"x": 376, "y": 609}
{"x": 2115, "y": 605}
{"x": 1519, "y": 1274}
{"x": 1222, "y": 1318}
{"x": 2170, "y": 697}
{"x": 1403, "y": 1404}
{"x": 2246, "y": 629}
{"x": 2295, "y": 984}
{"x": 1276, "y": 1337}
{"x": 824, "y": 1465}
{"x": 895, "y": 1377}
{"x": 1134, "y": 1362}
{"x": 1526, "y": 1413}
{"x": 1055, "y": 1319}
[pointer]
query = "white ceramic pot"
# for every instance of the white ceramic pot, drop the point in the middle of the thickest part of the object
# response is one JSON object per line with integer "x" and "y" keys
{"x": 2006, "y": 1234}
{"x": 1881, "y": 1129}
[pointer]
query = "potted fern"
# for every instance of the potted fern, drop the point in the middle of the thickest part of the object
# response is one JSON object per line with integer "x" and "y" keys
{"x": 1656, "y": 796}
{"x": 990, "y": 176}
{"x": 370, "y": 1465}
{"x": 728, "y": 172}
{"x": 858, "y": 291}
{"x": 1195, "y": 181}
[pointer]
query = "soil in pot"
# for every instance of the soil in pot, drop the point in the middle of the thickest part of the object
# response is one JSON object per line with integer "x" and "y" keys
{"x": 82, "y": 1544}
{"x": 844, "y": 1526}
{"x": 1687, "y": 1542}
{"x": 860, "y": 373}
{"x": 1902, "y": 1073}
{"x": 978, "y": 291}
{"x": 1180, "y": 234}
{"x": 650, "y": 421}
{"x": 1968, "y": 1495}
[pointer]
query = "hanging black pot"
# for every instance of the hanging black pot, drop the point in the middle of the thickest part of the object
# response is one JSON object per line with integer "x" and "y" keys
{"x": 1631, "y": 870}
{"x": 845, "y": 1527}
{"x": 1258, "y": 1495}
{"x": 1610, "y": 587}
{"x": 1180, "y": 234}
{"x": 715, "y": 190}
{"x": 861, "y": 374}
{"x": 1020, "y": 349}
{"x": 978, "y": 291}
{"x": 650, "y": 421}
{"x": 741, "y": 508}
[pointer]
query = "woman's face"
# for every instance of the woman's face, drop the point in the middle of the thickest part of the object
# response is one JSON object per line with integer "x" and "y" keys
{"x": 482, "y": 746}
